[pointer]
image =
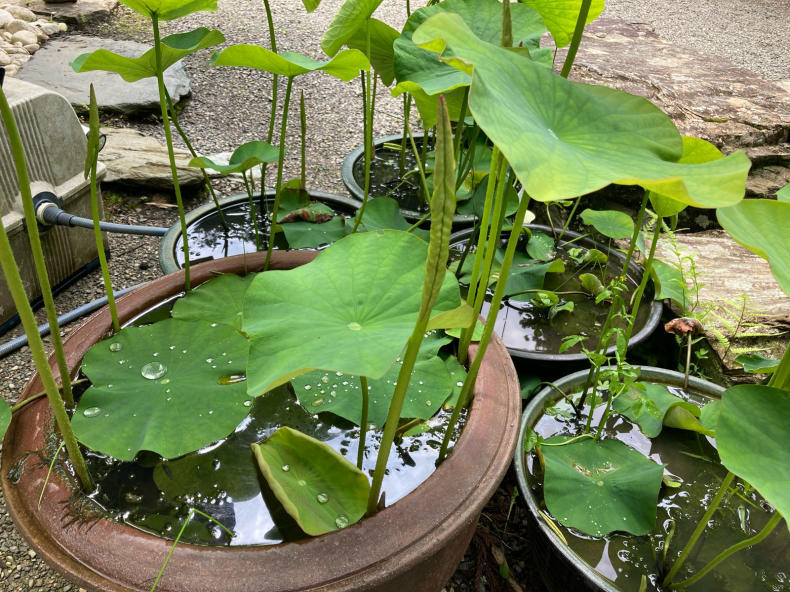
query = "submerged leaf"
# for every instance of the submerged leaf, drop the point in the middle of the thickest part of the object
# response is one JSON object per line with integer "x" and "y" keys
{"x": 319, "y": 488}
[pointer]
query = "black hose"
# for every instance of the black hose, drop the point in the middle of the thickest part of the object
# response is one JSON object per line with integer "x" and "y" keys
{"x": 54, "y": 215}
{"x": 43, "y": 330}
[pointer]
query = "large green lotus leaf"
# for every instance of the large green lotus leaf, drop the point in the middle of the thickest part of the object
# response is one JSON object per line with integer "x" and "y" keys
{"x": 422, "y": 68}
{"x": 187, "y": 402}
{"x": 219, "y": 300}
{"x": 646, "y": 404}
{"x": 167, "y": 10}
{"x": 350, "y": 310}
{"x": 382, "y": 56}
{"x": 309, "y": 235}
{"x": 457, "y": 374}
{"x": 754, "y": 441}
{"x": 384, "y": 213}
{"x": 610, "y": 223}
{"x": 345, "y": 65}
{"x": 565, "y": 139}
{"x": 319, "y": 488}
{"x": 174, "y": 47}
{"x": 429, "y": 387}
{"x": 348, "y": 20}
{"x": 245, "y": 157}
{"x": 601, "y": 486}
{"x": 695, "y": 151}
{"x": 560, "y": 16}
{"x": 762, "y": 226}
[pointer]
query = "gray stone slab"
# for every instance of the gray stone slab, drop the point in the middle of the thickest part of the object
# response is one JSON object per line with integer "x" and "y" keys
{"x": 707, "y": 97}
{"x": 134, "y": 159}
{"x": 50, "y": 68}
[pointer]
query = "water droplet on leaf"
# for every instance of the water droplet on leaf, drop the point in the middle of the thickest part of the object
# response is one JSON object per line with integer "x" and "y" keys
{"x": 91, "y": 412}
{"x": 322, "y": 498}
{"x": 153, "y": 370}
{"x": 115, "y": 346}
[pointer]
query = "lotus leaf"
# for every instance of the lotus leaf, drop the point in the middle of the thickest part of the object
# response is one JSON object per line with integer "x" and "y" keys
{"x": 382, "y": 213}
{"x": 319, "y": 488}
{"x": 302, "y": 234}
{"x": 565, "y": 139}
{"x": 219, "y": 300}
{"x": 167, "y": 10}
{"x": 345, "y": 65}
{"x": 610, "y": 223}
{"x": 382, "y": 56}
{"x": 245, "y": 157}
{"x": 161, "y": 388}
{"x": 560, "y": 16}
{"x": 647, "y": 403}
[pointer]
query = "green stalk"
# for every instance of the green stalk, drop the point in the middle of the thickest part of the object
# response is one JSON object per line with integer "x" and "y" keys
{"x": 767, "y": 529}
{"x": 18, "y": 152}
{"x": 507, "y": 25}
{"x": 570, "y": 217}
{"x": 781, "y": 377}
{"x": 581, "y": 21}
{"x": 406, "y": 114}
{"x": 367, "y": 139}
{"x": 488, "y": 329}
{"x": 363, "y": 422}
{"x": 442, "y": 210}
{"x": 459, "y": 128}
{"x": 275, "y": 80}
{"x": 725, "y": 485}
{"x": 248, "y": 187}
{"x": 92, "y": 164}
{"x": 636, "y": 301}
{"x": 303, "y": 129}
{"x": 420, "y": 158}
{"x": 206, "y": 178}
{"x": 280, "y": 161}
{"x": 495, "y": 230}
{"x": 17, "y": 290}
{"x": 160, "y": 81}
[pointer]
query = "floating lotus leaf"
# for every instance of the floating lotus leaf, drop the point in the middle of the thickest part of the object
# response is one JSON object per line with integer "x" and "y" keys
{"x": 162, "y": 387}
{"x": 565, "y": 139}
{"x": 319, "y": 488}
{"x": 647, "y": 403}
{"x": 345, "y": 65}
{"x": 219, "y": 300}
{"x": 245, "y": 157}
{"x": 601, "y": 486}
{"x": 167, "y": 10}
{"x": 754, "y": 442}
{"x": 309, "y": 235}
{"x": 323, "y": 390}
{"x": 174, "y": 47}
{"x": 541, "y": 246}
{"x": 610, "y": 223}
{"x": 762, "y": 226}
{"x": 560, "y": 16}
{"x": 350, "y": 310}
{"x": 383, "y": 213}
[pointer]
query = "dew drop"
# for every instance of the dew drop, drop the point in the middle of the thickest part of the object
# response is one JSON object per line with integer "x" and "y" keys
{"x": 428, "y": 403}
{"x": 341, "y": 521}
{"x": 213, "y": 324}
{"x": 317, "y": 402}
{"x": 155, "y": 354}
{"x": 91, "y": 412}
{"x": 322, "y": 498}
{"x": 286, "y": 468}
{"x": 115, "y": 346}
{"x": 209, "y": 360}
{"x": 247, "y": 403}
{"x": 153, "y": 370}
{"x": 332, "y": 393}
{"x": 325, "y": 379}
{"x": 164, "y": 381}
{"x": 459, "y": 384}
{"x": 172, "y": 347}
{"x": 302, "y": 482}
{"x": 307, "y": 387}
{"x": 231, "y": 379}
{"x": 354, "y": 326}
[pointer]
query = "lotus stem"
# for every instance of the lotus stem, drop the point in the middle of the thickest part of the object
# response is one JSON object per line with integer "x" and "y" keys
{"x": 767, "y": 529}
{"x": 160, "y": 81}
{"x": 488, "y": 329}
{"x": 280, "y": 161}
{"x": 249, "y": 188}
{"x": 363, "y": 421}
{"x": 303, "y": 129}
{"x": 714, "y": 504}
{"x": 406, "y": 114}
{"x": 275, "y": 79}
{"x": 576, "y": 40}
{"x": 781, "y": 377}
{"x": 93, "y": 154}
{"x": 459, "y": 128}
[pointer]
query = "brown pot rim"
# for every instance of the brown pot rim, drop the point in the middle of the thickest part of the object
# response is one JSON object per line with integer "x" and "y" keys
{"x": 109, "y": 556}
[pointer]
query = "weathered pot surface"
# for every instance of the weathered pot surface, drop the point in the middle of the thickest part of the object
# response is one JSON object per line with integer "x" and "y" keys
{"x": 414, "y": 545}
{"x": 562, "y": 569}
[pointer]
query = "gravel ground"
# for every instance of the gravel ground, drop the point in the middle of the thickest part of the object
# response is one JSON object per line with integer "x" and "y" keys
{"x": 230, "y": 106}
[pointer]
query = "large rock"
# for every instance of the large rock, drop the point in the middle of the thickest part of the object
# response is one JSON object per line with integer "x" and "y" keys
{"x": 135, "y": 159}
{"x": 20, "y": 12}
{"x": 50, "y": 68}
{"x": 737, "y": 290}
{"x": 707, "y": 97}
{"x": 79, "y": 14}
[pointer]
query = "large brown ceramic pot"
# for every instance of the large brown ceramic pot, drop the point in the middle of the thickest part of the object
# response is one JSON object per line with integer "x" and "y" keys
{"x": 413, "y": 545}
